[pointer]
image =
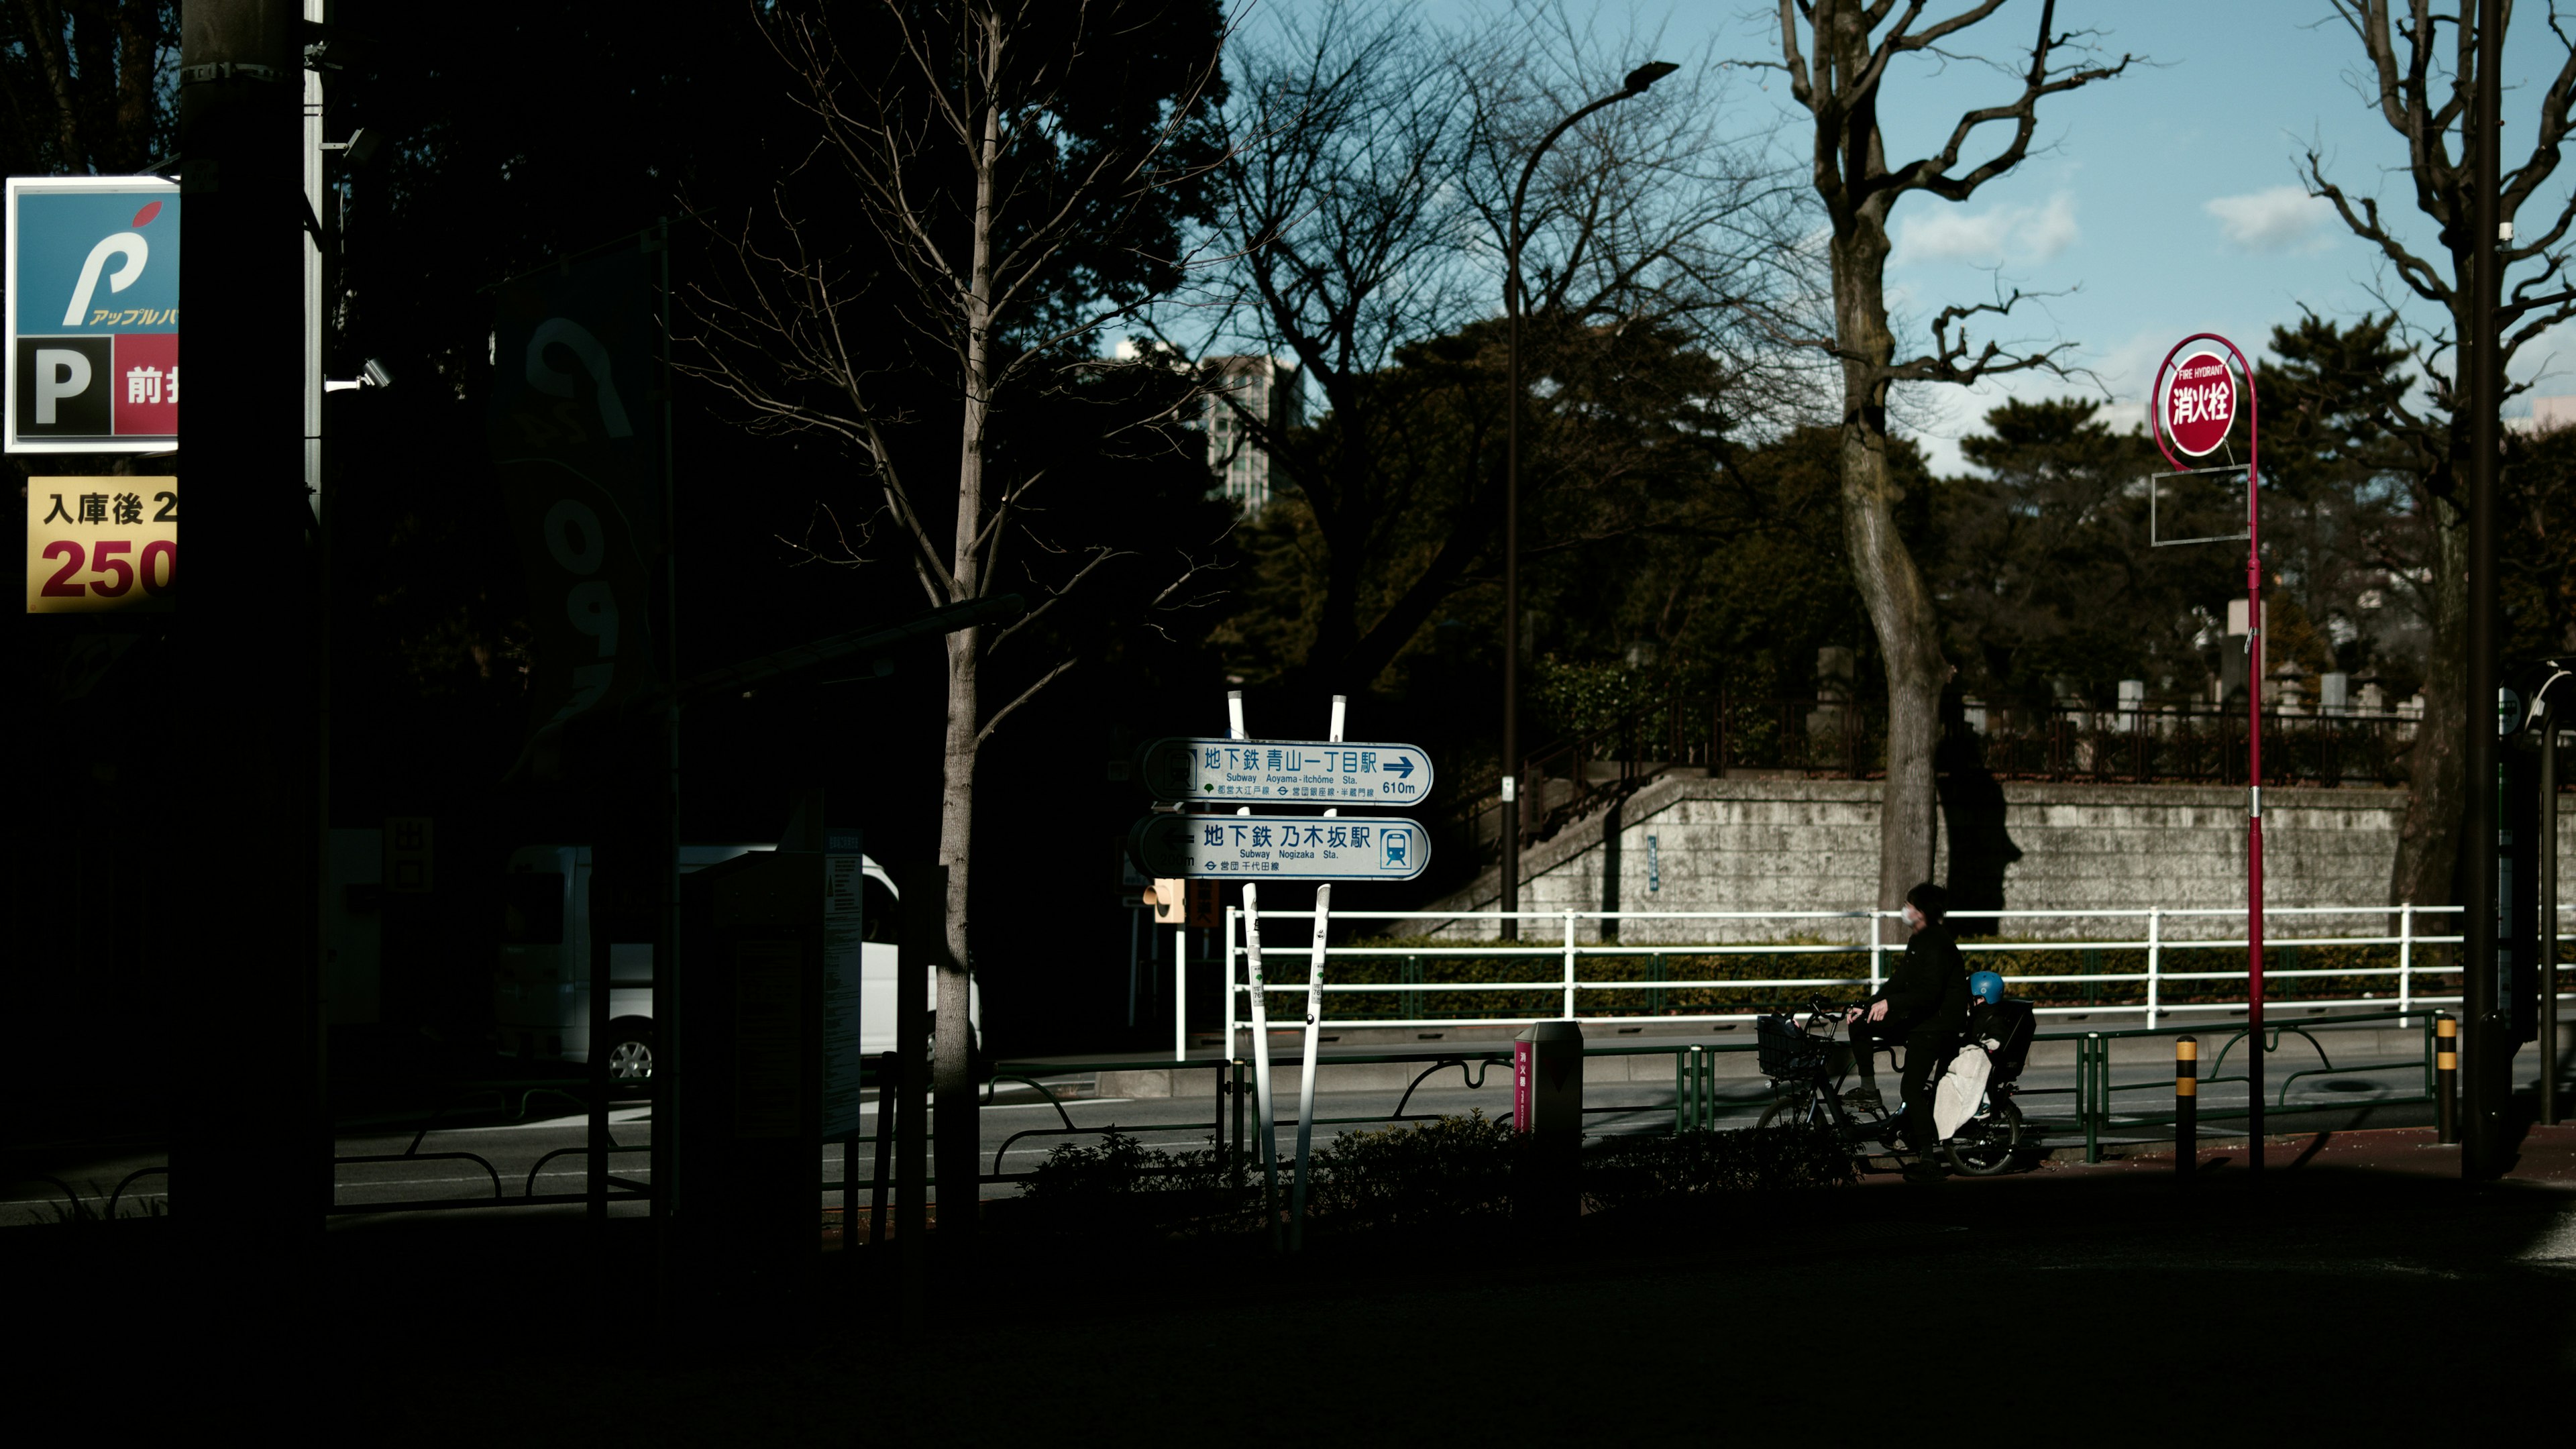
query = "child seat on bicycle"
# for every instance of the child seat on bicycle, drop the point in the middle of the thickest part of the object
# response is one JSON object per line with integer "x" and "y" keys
{"x": 1997, "y": 1040}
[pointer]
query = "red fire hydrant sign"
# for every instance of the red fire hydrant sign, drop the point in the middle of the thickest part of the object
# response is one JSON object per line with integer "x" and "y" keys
{"x": 2200, "y": 404}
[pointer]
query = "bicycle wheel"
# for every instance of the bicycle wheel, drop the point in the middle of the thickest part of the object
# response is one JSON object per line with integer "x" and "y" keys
{"x": 1792, "y": 1111}
{"x": 1986, "y": 1142}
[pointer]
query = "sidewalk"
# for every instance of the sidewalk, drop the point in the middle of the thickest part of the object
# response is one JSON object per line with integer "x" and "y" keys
{"x": 2545, "y": 1156}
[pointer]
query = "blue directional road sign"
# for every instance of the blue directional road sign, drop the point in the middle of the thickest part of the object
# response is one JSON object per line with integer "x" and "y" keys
{"x": 1279, "y": 847}
{"x": 1281, "y": 772}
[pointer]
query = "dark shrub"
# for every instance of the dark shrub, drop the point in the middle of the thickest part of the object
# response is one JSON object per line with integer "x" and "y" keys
{"x": 1691, "y": 1167}
{"x": 1122, "y": 1187}
{"x": 1453, "y": 1175}
{"x": 1442, "y": 1175}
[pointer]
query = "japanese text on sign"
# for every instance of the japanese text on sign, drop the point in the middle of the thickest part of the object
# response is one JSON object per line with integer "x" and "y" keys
{"x": 1283, "y": 771}
{"x": 102, "y": 545}
{"x": 2200, "y": 403}
{"x": 1295, "y": 848}
{"x": 92, "y": 314}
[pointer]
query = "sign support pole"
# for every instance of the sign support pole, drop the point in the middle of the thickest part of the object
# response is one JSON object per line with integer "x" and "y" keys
{"x": 1172, "y": 847}
{"x": 1314, "y": 1018}
{"x": 1260, "y": 1012}
{"x": 2254, "y": 671}
{"x": 2163, "y": 428}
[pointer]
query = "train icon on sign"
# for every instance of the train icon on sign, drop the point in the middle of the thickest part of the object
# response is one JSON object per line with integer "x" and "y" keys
{"x": 1395, "y": 851}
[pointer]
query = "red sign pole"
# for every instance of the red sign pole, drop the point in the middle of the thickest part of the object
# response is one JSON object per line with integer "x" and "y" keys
{"x": 2196, "y": 414}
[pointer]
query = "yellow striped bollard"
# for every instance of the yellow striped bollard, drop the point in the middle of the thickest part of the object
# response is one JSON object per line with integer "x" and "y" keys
{"x": 2446, "y": 1078}
{"x": 2186, "y": 1105}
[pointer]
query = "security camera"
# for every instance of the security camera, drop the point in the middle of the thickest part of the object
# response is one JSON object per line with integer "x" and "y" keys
{"x": 376, "y": 375}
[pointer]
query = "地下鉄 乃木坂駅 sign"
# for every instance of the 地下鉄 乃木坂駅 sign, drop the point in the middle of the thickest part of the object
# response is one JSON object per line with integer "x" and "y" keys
{"x": 1286, "y": 772}
{"x": 1279, "y": 847}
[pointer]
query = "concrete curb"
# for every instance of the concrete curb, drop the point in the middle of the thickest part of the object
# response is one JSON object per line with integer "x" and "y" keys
{"x": 2405, "y": 1045}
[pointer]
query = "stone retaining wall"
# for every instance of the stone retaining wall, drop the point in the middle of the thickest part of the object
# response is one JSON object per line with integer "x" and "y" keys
{"x": 1700, "y": 844}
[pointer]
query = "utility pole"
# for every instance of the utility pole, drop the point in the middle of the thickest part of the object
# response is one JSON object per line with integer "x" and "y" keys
{"x": 2490, "y": 1039}
{"x": 250, "y": 1158}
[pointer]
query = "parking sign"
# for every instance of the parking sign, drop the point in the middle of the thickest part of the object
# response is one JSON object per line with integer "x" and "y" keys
{"x": 92, "y": 314}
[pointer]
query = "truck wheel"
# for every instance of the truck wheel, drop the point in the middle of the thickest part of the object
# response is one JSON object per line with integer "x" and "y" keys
{"x": 630, "y": 1057}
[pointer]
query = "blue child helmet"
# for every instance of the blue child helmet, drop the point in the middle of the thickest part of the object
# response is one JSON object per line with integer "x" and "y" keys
{"x": 1986, "y": 986}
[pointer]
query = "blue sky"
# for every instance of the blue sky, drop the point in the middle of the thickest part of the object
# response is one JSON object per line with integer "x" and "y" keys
{"x": 2166, "y": 201}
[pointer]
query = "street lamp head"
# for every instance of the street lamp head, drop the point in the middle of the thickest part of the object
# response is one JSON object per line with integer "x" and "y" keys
{"x": 1649, "y": 73}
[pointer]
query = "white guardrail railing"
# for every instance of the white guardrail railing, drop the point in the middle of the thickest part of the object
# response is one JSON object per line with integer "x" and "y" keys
{"x": 1286, "y": 966}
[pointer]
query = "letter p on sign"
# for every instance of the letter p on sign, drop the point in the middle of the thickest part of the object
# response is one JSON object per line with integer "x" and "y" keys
{"x": 63, "y": 387}
{"x": 61, "y": 372}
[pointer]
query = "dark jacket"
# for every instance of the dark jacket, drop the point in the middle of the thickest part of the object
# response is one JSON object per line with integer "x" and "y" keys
{"x": 1928, "y": 990}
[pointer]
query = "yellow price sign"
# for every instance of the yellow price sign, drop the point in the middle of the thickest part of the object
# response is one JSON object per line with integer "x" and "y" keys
{"x": 102, "y": 545}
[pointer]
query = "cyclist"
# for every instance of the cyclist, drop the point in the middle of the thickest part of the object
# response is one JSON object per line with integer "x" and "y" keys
{"x": 1924, "y": 1007}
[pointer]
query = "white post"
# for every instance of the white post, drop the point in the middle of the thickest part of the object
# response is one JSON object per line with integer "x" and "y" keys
{"x": 1181, "y": 986}
{"x": 1569, "y": 965}
{"x": 1314, "y": 1016}
{"x": 2405, "y": 963}
{"x": 1260, "y": 1010}
{"x": 2155, "y": 960}
{"x": 1232, "y": 986}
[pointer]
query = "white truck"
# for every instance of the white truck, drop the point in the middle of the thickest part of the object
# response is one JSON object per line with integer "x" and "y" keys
{"x": 542, "y": 989}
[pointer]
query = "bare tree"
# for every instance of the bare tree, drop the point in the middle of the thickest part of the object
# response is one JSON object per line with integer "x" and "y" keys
{"x": 1838, "y": 54}
{"x": 90, "y": 85}
{"x": 1649, "y": 215}
{"x": 1374, "y": 158}
{"x": 1348, "y": 135}
{"x": 2423, "y": 84}
{"x": 1017, "y": 164}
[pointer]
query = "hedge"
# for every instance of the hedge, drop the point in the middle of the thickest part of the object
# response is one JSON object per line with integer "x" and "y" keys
{"x": 1444, "y": 1176}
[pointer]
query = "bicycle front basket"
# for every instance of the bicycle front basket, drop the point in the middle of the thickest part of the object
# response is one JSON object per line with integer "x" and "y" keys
{"x": 1786, "y": 1050}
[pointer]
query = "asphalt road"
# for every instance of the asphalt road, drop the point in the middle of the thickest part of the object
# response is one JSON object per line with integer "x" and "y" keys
{"x": 1017, "y": 1132}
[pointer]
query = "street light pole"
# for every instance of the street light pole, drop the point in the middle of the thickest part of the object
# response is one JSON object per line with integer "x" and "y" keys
{"x": 1638, "y": 79}
{"x": 2490, "y": 1047}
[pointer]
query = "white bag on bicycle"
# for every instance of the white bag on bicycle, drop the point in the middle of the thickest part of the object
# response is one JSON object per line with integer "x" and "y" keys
{"x": 1955, "y": 1096}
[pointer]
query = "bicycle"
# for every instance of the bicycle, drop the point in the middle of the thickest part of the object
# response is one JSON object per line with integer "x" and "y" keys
{"x": 1799, "y": 1063}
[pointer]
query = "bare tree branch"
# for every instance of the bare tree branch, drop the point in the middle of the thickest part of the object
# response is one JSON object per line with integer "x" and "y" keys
{"x": 1003, "y": 230}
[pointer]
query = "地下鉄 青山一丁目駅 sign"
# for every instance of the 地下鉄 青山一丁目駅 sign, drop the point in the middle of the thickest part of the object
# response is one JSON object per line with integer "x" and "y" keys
{"x": 1286, "y": 772}
{"x": 1279, "y": 847}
